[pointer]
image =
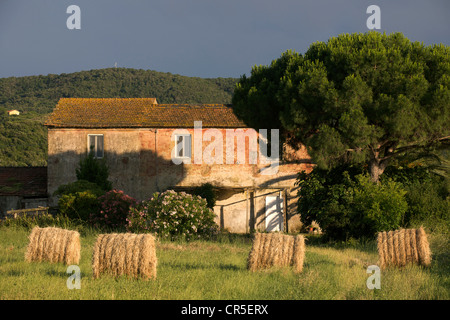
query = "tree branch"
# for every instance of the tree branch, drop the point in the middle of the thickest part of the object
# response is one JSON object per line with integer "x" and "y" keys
{"x": 413, "y": 146}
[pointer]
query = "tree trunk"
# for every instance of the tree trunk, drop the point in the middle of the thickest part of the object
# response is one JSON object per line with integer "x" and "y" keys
{"x": 376, "y": 169}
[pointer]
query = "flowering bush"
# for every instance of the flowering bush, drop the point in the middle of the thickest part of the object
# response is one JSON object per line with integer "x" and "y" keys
{"x": 114, "y": 207}
{"x": 173, "y": 215}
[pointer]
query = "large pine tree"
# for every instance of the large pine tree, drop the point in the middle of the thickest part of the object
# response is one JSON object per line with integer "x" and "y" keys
{"x": 357, "y": 98}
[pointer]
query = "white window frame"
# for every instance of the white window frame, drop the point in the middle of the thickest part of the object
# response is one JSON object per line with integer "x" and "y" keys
{"x": 186, "y": 147}
{"x": 95, "y": 145}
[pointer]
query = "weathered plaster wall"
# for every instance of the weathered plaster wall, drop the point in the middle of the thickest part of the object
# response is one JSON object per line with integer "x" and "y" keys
{"x": 140, "y": 164}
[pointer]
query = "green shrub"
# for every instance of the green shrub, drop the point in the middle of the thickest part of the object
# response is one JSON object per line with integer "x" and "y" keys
{"x": 324, "y": 197}
{"x": 427, "y": 195}
{"x": 79, "y": 186}
{"x": 376, "y": 207}
{"x": 348, "y": 205}
{"x": 78, "y": 205}
{"x": 173, "y": 215}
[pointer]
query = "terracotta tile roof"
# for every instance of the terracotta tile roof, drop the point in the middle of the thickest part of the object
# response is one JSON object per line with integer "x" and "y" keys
{"x": 23, "y": 181}
{"x": 139, "y": 113}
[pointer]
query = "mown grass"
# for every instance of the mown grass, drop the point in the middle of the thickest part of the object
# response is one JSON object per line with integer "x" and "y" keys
{"x": 217, "y": 270}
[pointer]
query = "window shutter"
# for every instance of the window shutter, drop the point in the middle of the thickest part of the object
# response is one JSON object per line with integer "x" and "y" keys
{"x": 187, "y": 146}
{"x": 99, "y": 146}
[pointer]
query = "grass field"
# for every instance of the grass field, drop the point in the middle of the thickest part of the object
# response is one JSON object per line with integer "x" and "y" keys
{"x": 216, "y": 270}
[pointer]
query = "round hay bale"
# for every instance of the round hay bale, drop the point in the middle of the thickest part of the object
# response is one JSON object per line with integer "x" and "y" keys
{"x": 299, "y": 253}
{"x": 423, "y": 248}
{"x": 54, "y": 245}
{"x": 402, "y": 247}
{"x": 381, "y": 241}
{"x": 275, "y": 249}
{"x": 125, "y": 254}
{"x": 255, "y": 252}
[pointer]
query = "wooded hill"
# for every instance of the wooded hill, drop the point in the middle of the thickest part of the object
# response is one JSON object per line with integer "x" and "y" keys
{"x": 41, "y": 93}
{"x": 23, "y": 138}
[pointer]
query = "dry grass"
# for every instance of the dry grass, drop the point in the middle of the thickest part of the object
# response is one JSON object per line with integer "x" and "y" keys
{"x": 402, "y": 247}
{"x": 275, "y": 249}
{"x": 53, "y": 245}
{"x": 125, "y": 254}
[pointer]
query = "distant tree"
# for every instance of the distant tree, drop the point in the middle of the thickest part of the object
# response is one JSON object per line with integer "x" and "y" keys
{"x": 94, "y": 170}
{"x": 359, "y": 98}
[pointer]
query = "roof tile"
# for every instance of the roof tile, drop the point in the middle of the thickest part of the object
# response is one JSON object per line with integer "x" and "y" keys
{"x": 139, "y": 112}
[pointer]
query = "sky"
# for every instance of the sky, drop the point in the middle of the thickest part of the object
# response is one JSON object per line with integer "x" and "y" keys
{"x": 197, "y": 38}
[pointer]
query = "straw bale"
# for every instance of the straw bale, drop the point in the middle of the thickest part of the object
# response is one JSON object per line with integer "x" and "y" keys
{"x": 276, "y": 249}
{"x": 413, "y": 244}
{"x": 390, "y": 246}
{"x": 396, "y": 248}
{"x": 299, "y": 253}
{"x": 54, "y": 245}
{"x": 423, "y": 247}
{"x": 402, "y": 247}
{"x": 408, "y": 251}
{"x": 255, "y": 253}
{"x": 382, "y": 254}
{"x": 125, "y": 254}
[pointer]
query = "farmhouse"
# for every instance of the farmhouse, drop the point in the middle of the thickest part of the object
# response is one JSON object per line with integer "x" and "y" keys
{"x": 13, "y": 112}
{"x": 151, "y": 147}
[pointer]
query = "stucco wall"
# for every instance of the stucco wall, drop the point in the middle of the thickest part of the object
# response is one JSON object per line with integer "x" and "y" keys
{"x": 140, "y": 164}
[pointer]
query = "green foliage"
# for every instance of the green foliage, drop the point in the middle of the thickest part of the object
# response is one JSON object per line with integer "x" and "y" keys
{"x": 78, "y": 205}
{"x": 256, "y": 97}
{"x": 3, "y": 115}
{"x": 41, "y": 93}
{"x": 428, "y": 206}
{"x": 348, "y": 205}
{"x": 113, "y": 212}
{"x": 23, "y": 141}
{"x": 79, "y": 186}
{"x": 95, "y": 171}
{"x": 376, "y": 207}
{"x": 427, "y": 194}
{"x": 359, "y": 98}
{"x": 207, "y": 192}
{"x": 78, "y": 200}
{"x": 173, "y": 215}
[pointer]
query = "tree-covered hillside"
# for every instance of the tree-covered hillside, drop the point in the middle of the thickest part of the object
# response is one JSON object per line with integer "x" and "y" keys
{"x": 41, "y": 93}
{"x": 23, "y": 138}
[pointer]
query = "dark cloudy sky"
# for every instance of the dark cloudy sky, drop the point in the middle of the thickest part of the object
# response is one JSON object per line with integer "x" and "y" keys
{"x": 203, "y": 38}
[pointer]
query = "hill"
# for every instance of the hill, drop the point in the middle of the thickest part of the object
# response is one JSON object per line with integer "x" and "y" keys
{"x": 23, "y": 138}
{"x": 41, "y": 93}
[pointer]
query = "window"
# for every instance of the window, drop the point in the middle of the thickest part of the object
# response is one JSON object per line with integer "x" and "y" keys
{"x": 95, "y": 145}
{"x": 183, "y": 145}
